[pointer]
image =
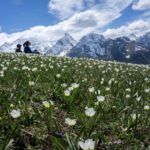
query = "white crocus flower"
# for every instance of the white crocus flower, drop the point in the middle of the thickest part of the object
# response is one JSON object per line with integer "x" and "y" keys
{"x": 64, "y": 85}
{"x": 46, "y": 104}
{"x": 135, "y": 116}
{"x": 100, "y": 98}
{"x": 102, "y": 82}
{"x": 99, "y": 92}
{"x": 87, "y": 144}
{"x": 71, "y": 88}
{"x": 11, "y": 105}
{"x": 58, "y": 75}
{"x": 138, "y": 98}
{"x": 128, "y": 90}
{"x": 75, "y": 85}
{"x": 34, "y": 69}
{"x": 147, "y": 90}
{"x": 15, "y": 113}
{"x": 25, "y": 68}
{"x": 51, "y": 102}
{"x": 31, "y": 83}
{"x": 90, "y": 112}
{"x": 67, "y": 93}
{"x": 128, "y": 96}
{"x": 91, "y": 90}
{"x": 70, "y": 122}
{"x": 2, "y": 73}
{"x": 146, "y": 107}
{"x": 107, "y": 89}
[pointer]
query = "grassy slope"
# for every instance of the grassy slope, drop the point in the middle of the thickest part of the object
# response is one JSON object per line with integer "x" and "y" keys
{"x": 125, "y": 88}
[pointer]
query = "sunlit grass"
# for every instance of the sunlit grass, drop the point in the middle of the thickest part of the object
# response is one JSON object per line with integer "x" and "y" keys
{"x": 62, "y": 103}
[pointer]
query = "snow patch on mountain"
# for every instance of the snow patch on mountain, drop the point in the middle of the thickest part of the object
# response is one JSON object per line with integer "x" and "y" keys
{"x": 133, "y": 37}
{"x": 145, "y": 40}
{"x": 62, "y": 46}
{"x": 91, "y": 45}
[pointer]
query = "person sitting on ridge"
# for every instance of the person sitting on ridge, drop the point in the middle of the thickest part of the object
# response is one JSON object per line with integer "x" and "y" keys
{"x": 26, "y": 46}
{"x": 18, "y": 48}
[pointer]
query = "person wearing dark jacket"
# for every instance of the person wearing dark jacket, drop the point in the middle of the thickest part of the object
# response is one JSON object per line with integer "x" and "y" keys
{"x": 18, "y": 48}
{"x": 26, "y": 46}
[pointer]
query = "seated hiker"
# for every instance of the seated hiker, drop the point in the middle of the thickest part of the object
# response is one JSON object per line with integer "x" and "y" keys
{"x": 18, "y": 48}
{"x": 26, "y": 46}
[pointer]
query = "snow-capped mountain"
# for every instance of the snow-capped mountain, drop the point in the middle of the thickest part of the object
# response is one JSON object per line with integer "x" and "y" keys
{"x": 145, "y": 40}
{"x": 133, "y": 37}
{"x": 62, "y": 46}
{"x": 92, "y": 45}
{"x": 124, "y": 49}
{"x": 119, "y": 49}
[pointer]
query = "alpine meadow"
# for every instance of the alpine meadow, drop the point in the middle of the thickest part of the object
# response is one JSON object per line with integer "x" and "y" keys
{"x": 58, "y": 103}
{"x": 75, "y": 75}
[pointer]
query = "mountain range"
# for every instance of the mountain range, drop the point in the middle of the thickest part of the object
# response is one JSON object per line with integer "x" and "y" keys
{"x": 123, "y": 49}
{"x": 130, "y": 49}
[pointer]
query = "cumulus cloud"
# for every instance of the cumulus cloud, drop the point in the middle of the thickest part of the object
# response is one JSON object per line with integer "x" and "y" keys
{"x": 138, "y": 27}
{"x": 79, "y": 24}
{"x": 117, "y": 5}
{"x": 141, "y": 5}
{"x": 3, "y": 38}
{"x": 146, "y": 14}
{"x": 66, "y": 8}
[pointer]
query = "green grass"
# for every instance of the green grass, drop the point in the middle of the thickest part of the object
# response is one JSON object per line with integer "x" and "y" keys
{"x": 121, "y": 119}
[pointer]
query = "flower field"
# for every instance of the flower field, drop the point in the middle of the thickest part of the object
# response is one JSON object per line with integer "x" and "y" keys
{"x": 51, "y": 103}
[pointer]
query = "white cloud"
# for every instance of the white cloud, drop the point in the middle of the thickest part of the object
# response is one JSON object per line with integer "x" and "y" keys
{"x": 3, "y": 38}
{"x": 141, "y": 5}
{"x": 67, "y": 8}
{"x": 78, "y": 25}
{"x": 117, "y": 5}
{"x": 138, "y": 27}
{"x": 146, "y": 14}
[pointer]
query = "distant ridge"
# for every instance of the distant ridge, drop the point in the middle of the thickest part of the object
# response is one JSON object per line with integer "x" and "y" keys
{"x": 124, "y": 49}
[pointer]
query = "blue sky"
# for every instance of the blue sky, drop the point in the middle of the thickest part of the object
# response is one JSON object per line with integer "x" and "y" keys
{"x": 52, "y": 18}
{"x": 19, "y": 15}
